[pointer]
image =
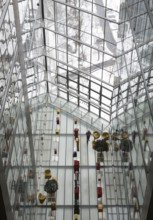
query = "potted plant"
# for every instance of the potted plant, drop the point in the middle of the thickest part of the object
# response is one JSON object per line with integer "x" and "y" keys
{"x": 51, "y": 186}
{"x": 101, "y": 145}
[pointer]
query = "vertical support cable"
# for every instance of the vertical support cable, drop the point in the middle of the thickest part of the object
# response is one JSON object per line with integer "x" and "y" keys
{"x": 44, "y": 39}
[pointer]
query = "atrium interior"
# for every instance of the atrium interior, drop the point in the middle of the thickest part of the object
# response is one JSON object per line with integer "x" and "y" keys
{"x": 76, "y": 109}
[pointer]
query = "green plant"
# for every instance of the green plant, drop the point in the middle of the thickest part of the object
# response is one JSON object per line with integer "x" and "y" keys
{"x": 101, "y": 145}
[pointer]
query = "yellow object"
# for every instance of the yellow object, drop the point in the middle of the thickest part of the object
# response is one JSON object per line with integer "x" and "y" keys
{"x": 100, "y": 207}
{"x": 53, "y": 178}
{"x": 57, "y": 131}
{"x": 75, "y": 120}
{"x": 47, "y": 174}
{"x": 41, "y": 198}
{"x": 53, "y": 206}
{"x": 52, "y": 218}
{"x": 58, "y": 110}
{"x": 75, "y": 216}
{"x": 77, "y": 139}
{"x": 96, "y": 134}
{"x": 124, "y": 134}
{"x": 77, "y": 143}
{"x": 105, "y": 135}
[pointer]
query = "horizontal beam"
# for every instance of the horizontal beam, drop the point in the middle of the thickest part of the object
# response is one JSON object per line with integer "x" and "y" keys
{"x": 81, "y": 166}
{"x": 86, "y": 11}
{"x": 81, "y": 206}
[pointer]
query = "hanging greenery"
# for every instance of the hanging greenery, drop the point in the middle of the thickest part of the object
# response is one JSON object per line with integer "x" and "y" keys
{"x": 126, "y": 145}
{"x": 101, "y": 145}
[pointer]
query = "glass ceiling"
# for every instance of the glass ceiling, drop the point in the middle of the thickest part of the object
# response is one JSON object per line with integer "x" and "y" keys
{"x": 70, "y": 53}
{"x": 79, "y": 50}
{"x": 93, "y": 54}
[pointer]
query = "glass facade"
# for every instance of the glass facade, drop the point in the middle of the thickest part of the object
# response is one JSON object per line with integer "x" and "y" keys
{"x": 93, "y": 60}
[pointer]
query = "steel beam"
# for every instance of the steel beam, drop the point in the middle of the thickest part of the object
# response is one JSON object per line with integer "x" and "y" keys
{"x": 24, "y": 84}
{"x": 86, "y": 11}
{"x": 5, "y": 9}
{"x": 71, "y": 206}
{"x": 140, "y": 64}
{"x": 149, "y": 12}
{"x": 44, "y": 39}
{"x": 5, "y": 195}
{"x": 148, "y": 198}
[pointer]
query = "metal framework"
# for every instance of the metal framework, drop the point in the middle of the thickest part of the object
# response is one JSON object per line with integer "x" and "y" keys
{"x": 90, "y": 58}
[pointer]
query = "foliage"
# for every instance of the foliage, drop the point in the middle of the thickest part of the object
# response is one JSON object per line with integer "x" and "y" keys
{"x": 126, "y": 145}
{"x": 101, "y": 145}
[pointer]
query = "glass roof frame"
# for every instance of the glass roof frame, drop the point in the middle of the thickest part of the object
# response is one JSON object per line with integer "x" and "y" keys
{"x": 41, "y": 21}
